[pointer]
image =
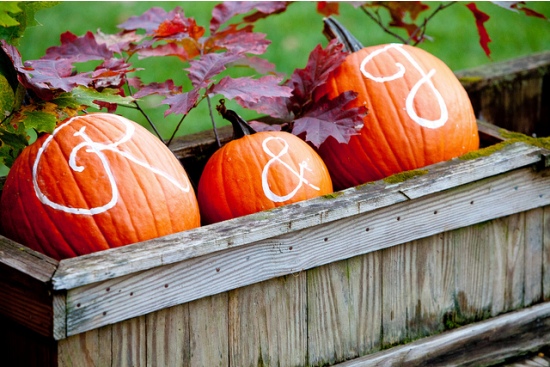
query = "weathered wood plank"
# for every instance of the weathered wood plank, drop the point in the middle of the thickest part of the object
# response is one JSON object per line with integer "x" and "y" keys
{"x": 267, "y": 323}
{"x": 494, "y": 339}
{"x": 245, "y": 230}
{"x": 331, "y": 335}
{"x": 534, "y": 255}
{"x": 167, "y": 337}
{"x": 136, "y": 294}
{"x": 418, "y": 280}
{"x": 25, "y": 289}
{"x": 209, "y": 331}
{"x": 512, "y": 94}
{"x": 365, "y": 277}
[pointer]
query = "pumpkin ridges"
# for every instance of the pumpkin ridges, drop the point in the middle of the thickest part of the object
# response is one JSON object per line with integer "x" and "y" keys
{"x": 388, "y": 137}
{"x": 240, "y": 177}
{"x": 61, "y": 234}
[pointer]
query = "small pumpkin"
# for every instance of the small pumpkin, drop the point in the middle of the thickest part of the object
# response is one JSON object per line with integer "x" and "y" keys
{"x": 258, "y": 171}
{"x": 98, "y": 181}
{"x": 418, "y": 112}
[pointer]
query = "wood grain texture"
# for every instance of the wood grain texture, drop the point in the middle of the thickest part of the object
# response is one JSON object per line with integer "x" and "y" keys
{"x": 136, "y": 294}
{"x": 494, "y": 340}
{"x": 208, "y": 331}
{"x": 512, "y": 94}
{"x": 245, "y": 230}
{"x": 25, "y": 290}
{"x": 267, "y": 323}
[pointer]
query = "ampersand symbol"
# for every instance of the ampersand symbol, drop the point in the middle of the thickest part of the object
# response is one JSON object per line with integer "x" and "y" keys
{"x": 277, "y": 158}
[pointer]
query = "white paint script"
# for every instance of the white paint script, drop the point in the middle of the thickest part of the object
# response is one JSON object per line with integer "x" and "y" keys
{"x": 96, "y": 148}
{"x": 276, "y": 158}
{"x": 425, "y": 79}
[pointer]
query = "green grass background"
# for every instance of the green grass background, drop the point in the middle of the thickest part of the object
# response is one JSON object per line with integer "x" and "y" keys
{"x": 294, "y": 34}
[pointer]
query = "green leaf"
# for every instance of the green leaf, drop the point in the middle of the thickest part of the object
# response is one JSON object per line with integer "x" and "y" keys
{"x": 6, "y": 8}
{"x": 83, "y": 96}
{"x": 40, "y": 121}
{"x": 16, "y": 16}
{"x": 11, "y": 145}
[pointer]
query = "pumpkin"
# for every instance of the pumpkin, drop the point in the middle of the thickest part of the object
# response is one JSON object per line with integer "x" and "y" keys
{"x": 98, "y": 181}
{"x": 258, "y": 171}
{"x": 418, "y": 114}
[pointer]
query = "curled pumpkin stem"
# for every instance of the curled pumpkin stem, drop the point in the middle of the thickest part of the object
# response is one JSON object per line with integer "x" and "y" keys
{"x": 333, "y": 29}
{"x": 240, "y": 126}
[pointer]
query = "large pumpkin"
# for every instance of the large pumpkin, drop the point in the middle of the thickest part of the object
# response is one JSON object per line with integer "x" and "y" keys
{"x": 260, "y": 171}
{"x": 418, "y": 114}
{"x": 98, "y": 181}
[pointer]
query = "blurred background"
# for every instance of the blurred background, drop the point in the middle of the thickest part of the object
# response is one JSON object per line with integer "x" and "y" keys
{"x": 294, "y": 33}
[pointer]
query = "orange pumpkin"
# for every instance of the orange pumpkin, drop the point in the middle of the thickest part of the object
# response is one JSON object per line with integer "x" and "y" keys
{"x": 418, "y": 114}
{"x": 260, "y": 171}
{"x": 98, "y": 181}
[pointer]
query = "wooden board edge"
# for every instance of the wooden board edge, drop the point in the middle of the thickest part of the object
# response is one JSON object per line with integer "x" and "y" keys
{"x": 483, "y": 343}
{"x": 238, "y": 232}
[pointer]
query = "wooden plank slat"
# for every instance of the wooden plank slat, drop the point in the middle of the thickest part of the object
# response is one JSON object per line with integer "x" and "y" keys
{"x": 272, "y": 314}
{"x": 25, "y": 289}
{"x": 112, "y": 300}
{"x": 494, "y": 339}
{"x": 245, "y": 230}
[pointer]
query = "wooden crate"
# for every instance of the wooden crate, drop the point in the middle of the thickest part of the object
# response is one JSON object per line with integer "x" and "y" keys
{"x": 448, "y": 267}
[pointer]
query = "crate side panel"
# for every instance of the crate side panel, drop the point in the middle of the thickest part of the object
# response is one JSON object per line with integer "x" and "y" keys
{"x": 330, "y": 311}
{"x": 534, "y": 256}
{"x": 167, "y": 336}
{"x": 107, "y": 302}
{"x": 417, "y": 280}
{"x": 267, "y": 323}
{"x": 208, "y": 331}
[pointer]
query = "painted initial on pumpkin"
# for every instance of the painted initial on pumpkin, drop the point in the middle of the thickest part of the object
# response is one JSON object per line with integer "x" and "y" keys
{"x": 277, "y": 158}
{"x": 96, "y": 148}
{"x": 425, "y": 79}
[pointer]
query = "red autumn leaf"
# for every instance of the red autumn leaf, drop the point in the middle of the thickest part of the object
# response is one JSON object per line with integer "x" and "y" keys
{"x": 166, "y": 88}
{"x": 319, "y": 65}
{"x": 185, "y": 50}
{"x": 179, "y": 27}
{"x": 111, "y": 73}
{"x": 43, "y": 75}
{"x": 328, "y": 8}
{"x": 227, "y": 10}
{"x": 118, "y": 42}
{"x": 249, "y": 91}
{"x": 331, "y": 117}
{"x": 150, "y": 20}
{"x": 78, "y": 49}
{"x": 181, "y": 103}
{"x": 481, "y": 18}
{"x": 519, "y": 6}
{"x": 238, "y": 40}
{"x": 201, "y": 71}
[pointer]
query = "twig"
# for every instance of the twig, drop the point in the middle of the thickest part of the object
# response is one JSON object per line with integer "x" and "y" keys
{"x": 176, "y": 130}
{"x": 378, "y": 21}
{"x": 213, "y": 121}
{"x": 422, "y": 28}
{"x": 149, "y": 120}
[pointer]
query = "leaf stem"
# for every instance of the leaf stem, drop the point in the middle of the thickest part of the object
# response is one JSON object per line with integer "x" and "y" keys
{"x": 176, "y": 129}
{"x": 149, "y": 120}
{"x": 422, "y": 28}
{"x": 378, "y": 20}
{"x": 212, "y": 119}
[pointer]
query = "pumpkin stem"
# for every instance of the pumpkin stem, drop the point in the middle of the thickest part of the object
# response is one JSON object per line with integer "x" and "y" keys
{"x": 333, "y": 29}
{"x": 240, "y": 126}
